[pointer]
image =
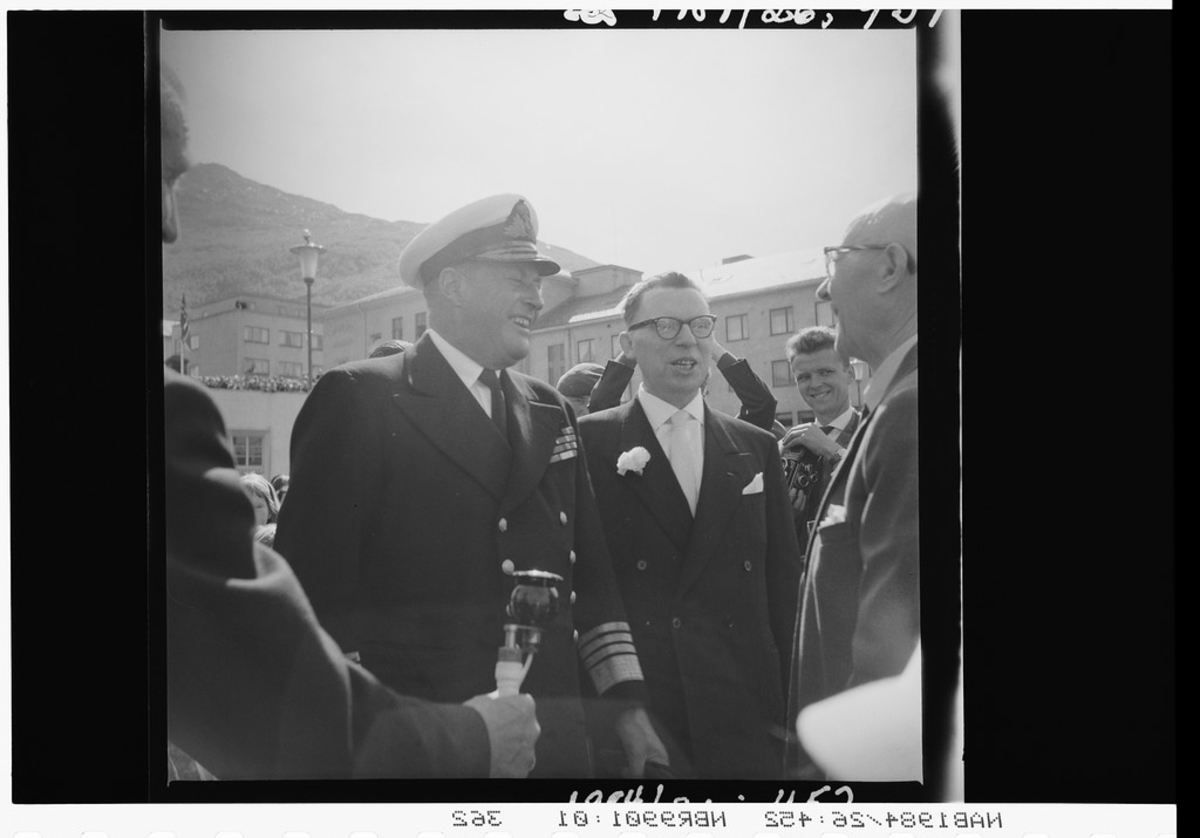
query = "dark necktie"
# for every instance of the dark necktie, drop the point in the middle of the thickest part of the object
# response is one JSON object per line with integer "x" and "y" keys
{"x": 499, "y": 417}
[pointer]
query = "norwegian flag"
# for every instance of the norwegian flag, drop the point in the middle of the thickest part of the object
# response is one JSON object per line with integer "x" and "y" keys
{"x": 183, "y": 321}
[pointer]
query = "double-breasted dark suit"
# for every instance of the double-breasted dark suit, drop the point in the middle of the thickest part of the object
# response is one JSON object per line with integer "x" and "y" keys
{"x": 712, "y": 600}
{"x": 860, "y": 615}
{"x": 255, "y": 688}
{"x": 405, "y": 508}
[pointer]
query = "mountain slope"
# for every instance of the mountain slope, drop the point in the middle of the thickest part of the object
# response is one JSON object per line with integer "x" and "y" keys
{"x": 236, "y": 235}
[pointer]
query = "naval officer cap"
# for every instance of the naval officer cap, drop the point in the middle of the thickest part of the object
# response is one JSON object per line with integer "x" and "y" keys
{"x": 502, "y": 228}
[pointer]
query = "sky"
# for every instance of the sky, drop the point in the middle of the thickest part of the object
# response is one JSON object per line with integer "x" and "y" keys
{"x": 653, "y": 149}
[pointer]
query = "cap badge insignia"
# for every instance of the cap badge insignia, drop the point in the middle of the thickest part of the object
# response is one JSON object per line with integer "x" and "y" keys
{"x": 520, "y": 224}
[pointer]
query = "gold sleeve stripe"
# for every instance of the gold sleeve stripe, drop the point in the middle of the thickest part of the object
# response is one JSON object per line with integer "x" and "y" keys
{"x": 603, "y": 633}
{"x": 599, "y": 653}
{"x": 613, "y": 670}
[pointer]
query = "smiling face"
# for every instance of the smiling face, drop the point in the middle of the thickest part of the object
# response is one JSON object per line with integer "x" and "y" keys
{"x": 495, "y": 306}
{"x": 824, "y": 383}
{"x": 674, "y": 370}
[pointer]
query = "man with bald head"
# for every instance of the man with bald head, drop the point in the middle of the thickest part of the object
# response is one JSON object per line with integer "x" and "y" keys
{"x": 860, "y": 600}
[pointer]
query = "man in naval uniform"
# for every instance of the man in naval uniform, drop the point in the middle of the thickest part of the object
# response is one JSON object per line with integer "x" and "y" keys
{"x": 422, "y": 481}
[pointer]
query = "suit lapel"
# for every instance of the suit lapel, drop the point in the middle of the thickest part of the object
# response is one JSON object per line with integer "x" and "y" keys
{"x": 434, "y": 399}
{"x": 533, "y": 429}
{"x": 727, "y": 471}
{"x": 836, "y": 488}
{"x": 656, "y": 487}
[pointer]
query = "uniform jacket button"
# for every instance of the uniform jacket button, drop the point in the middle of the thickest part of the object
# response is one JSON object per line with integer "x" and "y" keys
{"x": 747, "y": 565}
{"x": 503, "y": 525}
{"x": 562, "y": 516}
{"x": 571, "y": 556}
{"x": 572, "y": 597}
{"x": 641, "y": 565}
{"x": 676, "y": 622}
{"x": 507, "y": 566}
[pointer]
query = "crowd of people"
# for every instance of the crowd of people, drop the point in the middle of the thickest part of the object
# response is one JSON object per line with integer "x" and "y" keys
{"x": 265, "y": 383}
{"x": 709, "y": 591}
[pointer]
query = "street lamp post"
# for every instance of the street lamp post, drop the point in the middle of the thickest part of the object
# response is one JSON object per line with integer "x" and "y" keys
{"x": 309, "y": 253}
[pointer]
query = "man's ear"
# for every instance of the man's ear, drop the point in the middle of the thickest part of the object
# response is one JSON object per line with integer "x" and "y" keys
{"x": 897, "y": 265}
{"x": 627, "y": 346}
{"x": 451, "y": 282}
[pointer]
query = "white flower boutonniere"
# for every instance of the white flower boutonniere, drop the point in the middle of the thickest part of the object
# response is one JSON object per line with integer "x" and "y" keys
{"x": 634, "y": 460}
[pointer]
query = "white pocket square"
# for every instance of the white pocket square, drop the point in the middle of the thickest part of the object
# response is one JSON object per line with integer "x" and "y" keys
{"x": 834, "y": 514}
{"x": 755, "y": 486}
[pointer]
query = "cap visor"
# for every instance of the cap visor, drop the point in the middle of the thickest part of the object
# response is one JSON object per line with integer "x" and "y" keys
{"x": 544, "y": 265}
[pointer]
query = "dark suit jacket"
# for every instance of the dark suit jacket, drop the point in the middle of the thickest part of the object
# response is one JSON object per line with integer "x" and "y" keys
{"x": 860, "y": 615}
{"x": 712, "y": 601}
{"x": 758, "y": 403}
{"x": 403, "y": 505}
{"x": 255, "y": 688}
{"x": 823, "y": 469}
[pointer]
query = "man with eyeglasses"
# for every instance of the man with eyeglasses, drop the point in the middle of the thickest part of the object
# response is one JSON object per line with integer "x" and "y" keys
{"x": 758, "y": 403}
{"x": 698, "y": 524}
{"x": 860, "y": 605}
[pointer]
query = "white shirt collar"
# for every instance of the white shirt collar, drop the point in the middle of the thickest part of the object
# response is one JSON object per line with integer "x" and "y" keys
{"x": 464, "y": 367}
{"x": 882, "y": 379}
{"x": 840, "y": 423}
{"x": 659, "y": 411}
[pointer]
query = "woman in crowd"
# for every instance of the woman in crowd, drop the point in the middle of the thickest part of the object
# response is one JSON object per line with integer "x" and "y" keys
{"x": 262, "y": 498}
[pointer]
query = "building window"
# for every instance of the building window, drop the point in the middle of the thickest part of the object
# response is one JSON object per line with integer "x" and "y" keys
{"x": 556, "y": 355}
{"x": 616, "y": 345}
{"x": 421, "y": 327}
{"x": 823, "y": 313}
{"x": 193, "y": 342}
{"x": 584, "y": 351}
{"x": 737, "y": 327}
{"x": 292, "y": 339}
{"x": 248, "y": 451}
{"x": 397, "y": 328}
{"x": 784, "y": 418}
{"x": 781, "y": 321}
{"x": 291, "y": 369}
{"x": 256, "y": 334}
{"x": 318, "y": 342}
{"x": 781, "y": 374}
{"x": 256, "y": 366}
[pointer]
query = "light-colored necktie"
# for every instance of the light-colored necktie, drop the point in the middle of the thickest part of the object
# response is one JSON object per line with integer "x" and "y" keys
{"x": 683, "y": 461}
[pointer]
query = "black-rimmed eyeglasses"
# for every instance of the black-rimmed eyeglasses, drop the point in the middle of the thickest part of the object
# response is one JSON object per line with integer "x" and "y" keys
{"x": 669, "y": 327}
{"x": 832, "y": 254}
